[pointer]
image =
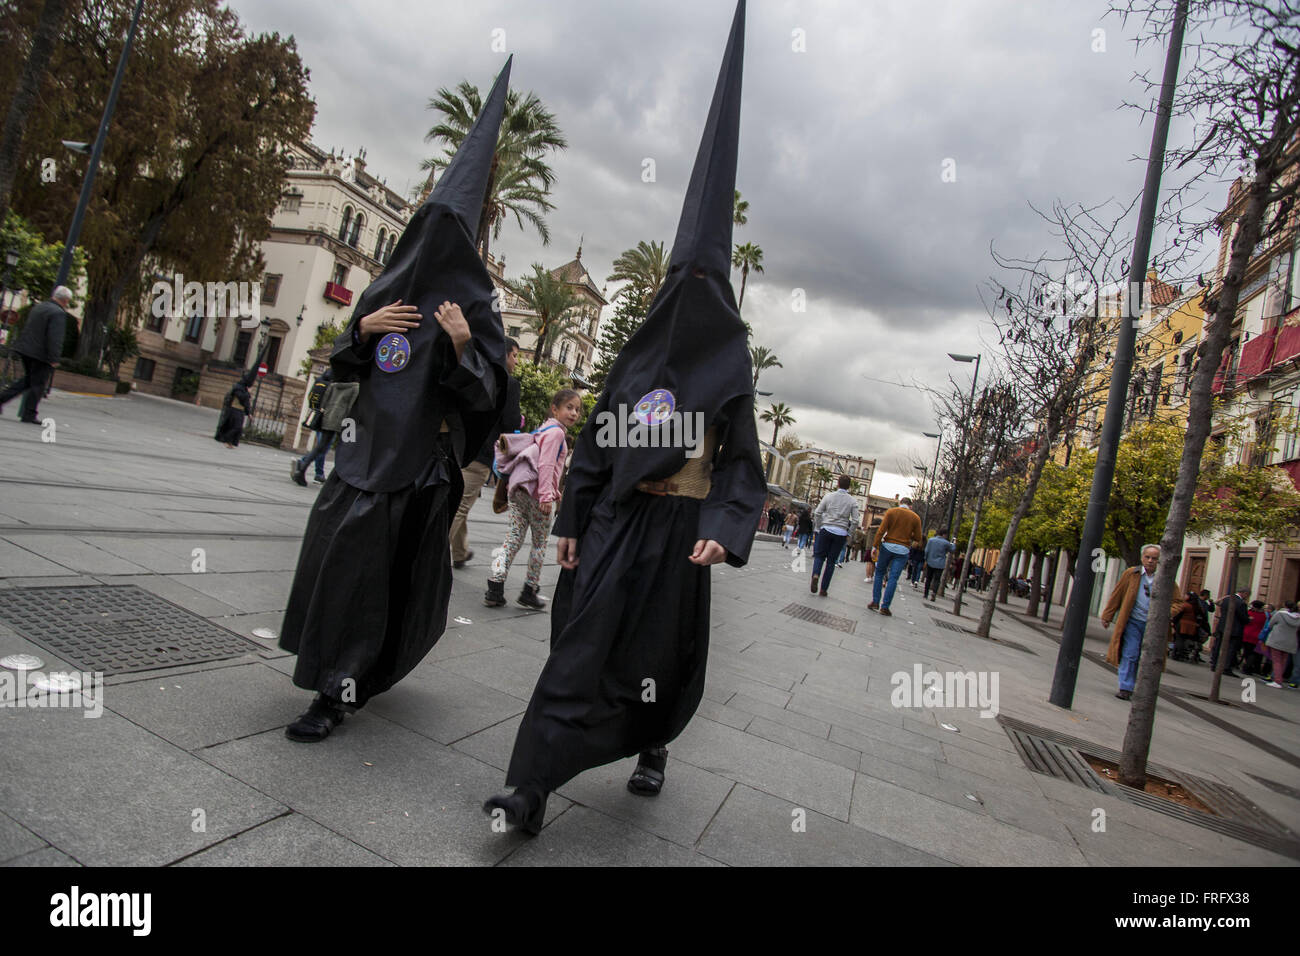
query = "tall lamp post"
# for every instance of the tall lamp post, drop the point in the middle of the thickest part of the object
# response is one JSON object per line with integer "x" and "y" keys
{"x": 261, "y": 351}
{"x": 952, "y": 505}
{"x": 934, "y": 474}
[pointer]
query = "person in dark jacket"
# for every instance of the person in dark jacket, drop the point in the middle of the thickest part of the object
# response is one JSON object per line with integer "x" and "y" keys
{"x": 324, "y": 439}
{"x": 39, "y": 345}
{"x": 230, "y": 426}
{"x": 1235, "y": 613}
{"x": 477, "y": 471}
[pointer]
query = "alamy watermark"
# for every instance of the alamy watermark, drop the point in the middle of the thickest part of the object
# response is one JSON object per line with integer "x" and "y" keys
{"x": 66, "y": 689}
{"x": 179, "y": 299}
{"x": 946, "y": 689}
{"x": 658, "y": 427}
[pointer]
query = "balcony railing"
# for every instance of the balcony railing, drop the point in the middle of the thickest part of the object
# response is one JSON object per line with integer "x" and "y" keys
{"x": 338, "y": 293}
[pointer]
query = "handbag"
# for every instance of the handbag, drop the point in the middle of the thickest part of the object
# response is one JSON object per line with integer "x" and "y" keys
{"x": 501, "y": 498}
{"x": 336, "y": 404}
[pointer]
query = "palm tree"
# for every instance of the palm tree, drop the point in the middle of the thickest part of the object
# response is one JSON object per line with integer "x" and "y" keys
{"x": 643, "y": 268}
{"x": 823, "y": 476}
{"x": 779, "y": 415}
{"x": 745, "y": 258}
{"x": 553, "y": 300}
{"x": 741, "y": 207}
{"x": 520, "y": 179}
{"x": 763, "y": 359}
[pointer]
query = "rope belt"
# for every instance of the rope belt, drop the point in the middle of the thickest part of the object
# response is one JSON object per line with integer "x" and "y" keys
{"x": 694, "y": 480}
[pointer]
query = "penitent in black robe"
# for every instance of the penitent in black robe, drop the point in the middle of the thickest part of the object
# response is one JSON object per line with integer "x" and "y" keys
{"x": 634, "y": 609}
{"x": 230, "y": 426}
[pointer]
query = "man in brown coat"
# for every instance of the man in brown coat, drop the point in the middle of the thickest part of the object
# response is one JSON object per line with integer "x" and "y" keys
{"x": 899, "y": 532}
{"x": 1128, "y": 607}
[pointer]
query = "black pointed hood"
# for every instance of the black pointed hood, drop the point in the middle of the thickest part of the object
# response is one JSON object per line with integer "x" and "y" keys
{"x": 693, "y": 345}
{"x": 408, "y": 391}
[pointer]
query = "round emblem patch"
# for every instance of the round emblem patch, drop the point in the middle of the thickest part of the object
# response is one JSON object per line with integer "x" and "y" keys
{"x": 393, "y": 352}
{"x": 655, "y": 407}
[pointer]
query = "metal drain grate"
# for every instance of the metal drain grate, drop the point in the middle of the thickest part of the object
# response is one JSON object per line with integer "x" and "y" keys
{"x": 116, "y": 629}
{"x": 948, "y": 625}
{"x": 811, "y": 614}
{"x": 932, "y": 607}
{"x": 1062, "y": 756}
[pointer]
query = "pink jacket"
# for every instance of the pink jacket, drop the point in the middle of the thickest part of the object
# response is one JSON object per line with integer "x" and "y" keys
{"x": 551, "y": 453}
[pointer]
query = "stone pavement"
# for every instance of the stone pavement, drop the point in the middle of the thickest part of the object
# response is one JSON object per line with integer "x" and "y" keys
{"x": 796, "y": 756}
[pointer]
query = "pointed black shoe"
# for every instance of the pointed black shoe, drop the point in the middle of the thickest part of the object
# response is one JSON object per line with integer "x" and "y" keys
{"x": 316, "y": 724}
{"x": 648, "y": 778}
{"x": 525, "y": 808}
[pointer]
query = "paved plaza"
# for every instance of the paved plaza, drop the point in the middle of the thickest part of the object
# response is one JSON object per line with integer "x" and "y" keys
{"x": 796, "y": 756}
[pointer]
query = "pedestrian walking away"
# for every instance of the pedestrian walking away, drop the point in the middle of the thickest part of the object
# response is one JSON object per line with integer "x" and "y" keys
{"x": 640, "y": 525}
{"x": 900, "y": 530}
{"x": 476, "y": 473}
{"x": 1234, "y": 616}
{"x": 1282, "y": 643}
{"x": 533, "y": 492}
{"x": 937, "y": 550}
{"x": 835, "y": 515}
{"x": 324, "y": 437}
{"x": 427, "y": 350}
{"x": 230, "y": 424}
{"x": 805, "y": 528}
{"x": 1127, "y": 608}
{"x": 39, "y": 345}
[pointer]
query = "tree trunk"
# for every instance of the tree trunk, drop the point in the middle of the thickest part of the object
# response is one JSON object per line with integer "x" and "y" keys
{"x": 1036, "y": 582}
{"x": 1137, "y": 738}
{"x": 970, "y": 551}
{"x": 744, "y": 274}
{"x": 1022, "y": 508}
{"x": 1216, "y": 676}
{"x": 20, "y": 108}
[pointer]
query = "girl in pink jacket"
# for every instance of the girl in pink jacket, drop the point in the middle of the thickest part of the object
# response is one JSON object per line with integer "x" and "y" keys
{"x": 533, "y": 510}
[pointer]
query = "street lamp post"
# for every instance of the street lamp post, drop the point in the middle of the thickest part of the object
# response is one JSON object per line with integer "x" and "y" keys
{"x": 934, "y": 474}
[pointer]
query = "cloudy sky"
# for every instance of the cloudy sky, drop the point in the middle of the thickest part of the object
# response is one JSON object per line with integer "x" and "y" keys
{"x": 843, "y": 147}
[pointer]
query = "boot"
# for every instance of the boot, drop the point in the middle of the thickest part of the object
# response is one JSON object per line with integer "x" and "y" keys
{"x": 528, "y": 598}
{"x": 496, "y": 594}
{"x": 297, "y": 473}
{"x": 315, "y": 725}
{"x": 648, "y": 778}
{"x": 525, "y": 808}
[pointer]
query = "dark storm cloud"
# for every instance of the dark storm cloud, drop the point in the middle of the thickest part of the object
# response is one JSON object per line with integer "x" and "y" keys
{"x": 842, "y": 149}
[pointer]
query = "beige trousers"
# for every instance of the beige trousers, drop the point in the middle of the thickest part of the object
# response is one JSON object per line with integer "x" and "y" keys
{"x": 474, "y": 475}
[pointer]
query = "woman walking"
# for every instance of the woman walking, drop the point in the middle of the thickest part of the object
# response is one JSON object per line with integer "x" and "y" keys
{"x": 1282, "y": 642}
{"x": 530, "y": 507}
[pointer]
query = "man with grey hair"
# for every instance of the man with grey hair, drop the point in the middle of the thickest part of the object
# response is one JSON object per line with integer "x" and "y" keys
{"x": 39, "y": 346}
{"x": 1128, "y": 607}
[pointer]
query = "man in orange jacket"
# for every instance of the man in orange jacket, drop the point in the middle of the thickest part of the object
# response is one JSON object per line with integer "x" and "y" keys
{"x": 1128, "y": 607}
{"x": 900, "y": 531}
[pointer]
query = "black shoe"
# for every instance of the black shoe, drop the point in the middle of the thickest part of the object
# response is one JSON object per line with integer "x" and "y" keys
{"x": 30, "y": 421}
{"x": 462, "y": 562}
{"x": 315, "y": 725}
{"x": 821, "y": 593}
{"x": 319, "y": 479}
{"x": 1125, "y": 695}
{"x": 648, "y": 778}
{"x": 296, "y": 472}
{"x": 528, "y": 598}
{"x": 525, "y": 808}
{"x": 1231, "y": 673}
{"x": 813, "y": 588}
{"x": 496, "y": 594}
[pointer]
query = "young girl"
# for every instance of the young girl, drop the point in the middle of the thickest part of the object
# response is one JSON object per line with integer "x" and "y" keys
{"x": 532, "y": 510}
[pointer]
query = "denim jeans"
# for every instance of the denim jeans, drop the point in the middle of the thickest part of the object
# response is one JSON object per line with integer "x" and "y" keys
{"x": 827, "y": 548}
{"x": 317, "y": 453}
{"x": 887, "y": 563}
{"x": 1129, "y": 652}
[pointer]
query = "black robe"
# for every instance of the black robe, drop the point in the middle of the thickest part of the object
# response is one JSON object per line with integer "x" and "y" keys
{"x": 230, "y": 426}
{"x": 634, "y": 609}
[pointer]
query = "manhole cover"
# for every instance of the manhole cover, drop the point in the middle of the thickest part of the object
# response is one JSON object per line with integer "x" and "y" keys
{"x": 1059, "y": 755}
{"x": 116, "y": 629}
{"x": 804, "y": 613}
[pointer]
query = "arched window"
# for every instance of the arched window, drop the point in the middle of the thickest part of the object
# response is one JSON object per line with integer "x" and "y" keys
{"x": 347, "y": 221}
{"x": 356, "y": 230}
{"x": 379, "y": 244}
{"x": 564, "y": 351}
{"x": 388, "y": 253}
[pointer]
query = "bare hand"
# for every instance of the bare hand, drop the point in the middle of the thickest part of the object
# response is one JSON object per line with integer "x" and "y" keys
{"x": 708, "y": 552}
{"x": 453, "y": 323}
{"x": 1105, "y": 625}
{"x": 391, "y": 318}
{"x": 566, "y": 553}
{"x": 544, "y": 507}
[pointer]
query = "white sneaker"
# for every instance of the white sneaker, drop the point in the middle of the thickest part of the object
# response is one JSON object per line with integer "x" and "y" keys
{"x": 1274, "y": 683}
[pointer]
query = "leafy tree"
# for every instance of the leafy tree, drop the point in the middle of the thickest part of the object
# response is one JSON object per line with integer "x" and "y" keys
{"x": 192, "y": 168}
{"x": 741, "y": 207}
{"x": 552, "y": 300}
{"x": 537, "y": 386}
{"x": 122, "y": 345}
{"x": 762, "y": 359}
{"x": 644, "y": 268}
{"x": 38, "y": 260}
{"x": 325, "y": 335}
{"x": 746, "y": 258}
{"x": 779, "y": 416}
{"x": 630, "y": 310}
{"x": 1146, "y": 466}
{"x": 520, "y": 179}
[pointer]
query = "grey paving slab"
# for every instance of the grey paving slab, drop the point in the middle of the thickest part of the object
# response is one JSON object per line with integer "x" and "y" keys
{"x": 291, "y": 840}
{"x": 757, "y": 829}
{"x": 688, "y": 801}
{"x": 117, "y": 795}
{"x": 916, "y": 752}
{"x": 16, "y": 839}
{"x": 723, "y": 714}
{"x": 17, "y": 562}
{"x": 397, "y": 793}
{"x": 499, "y": 668}
{"x": 584, "y": 837}
{"x": 74, "y": 554}
{"x": 208, "y": 707}
{"x": 721, "y": 684}
{"x": 445, "y": 705}
{"x": 46, "y": 857}
{"x": 781, "y": 715}
{"x": 250, "y": 592}
{"x": 817, "y": 746}
{"x": 951, "y": 832}
{"x": 774, "y": 768}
